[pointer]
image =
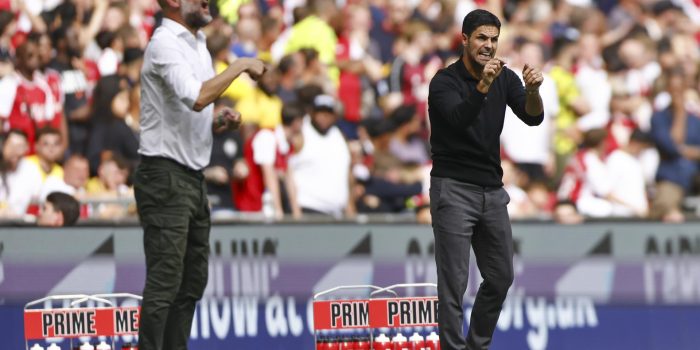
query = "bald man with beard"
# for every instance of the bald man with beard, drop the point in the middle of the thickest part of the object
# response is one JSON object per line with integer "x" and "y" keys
{"x": 178, "y": 86}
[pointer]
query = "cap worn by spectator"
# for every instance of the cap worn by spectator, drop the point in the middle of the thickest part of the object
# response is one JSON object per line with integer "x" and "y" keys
{"x": 324, "y": 103}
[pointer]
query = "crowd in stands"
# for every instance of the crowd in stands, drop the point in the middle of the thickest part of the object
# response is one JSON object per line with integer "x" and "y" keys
{"x": 339, "y": 123}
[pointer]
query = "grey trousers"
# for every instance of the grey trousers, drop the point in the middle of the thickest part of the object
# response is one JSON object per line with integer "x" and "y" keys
{"x": 464, "y": 216}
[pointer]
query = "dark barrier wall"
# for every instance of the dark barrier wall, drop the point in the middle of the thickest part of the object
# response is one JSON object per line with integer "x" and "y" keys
{"x": 595, "y": 286}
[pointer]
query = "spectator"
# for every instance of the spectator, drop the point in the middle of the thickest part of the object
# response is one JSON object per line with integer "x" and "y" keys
{"x": 386, "y": 187}
{"x": 78, "y": 76}
{"x": 358, "y": 60}
{"x": 227, "y": 152}
{"x": 314, "y": 72}
{"x": 572, "y": 104}
{"x": 48, "y": 154}
{"x": 110, "y": 185}
{"x": 315, "y": 32}
{"x": 387, "y": 25}
{"x": 248, "y": 33}
{"x": 59, "y": 209}
{"x": 76, "y": 173}
{"x": 531, "y": 148}
{"x": 266, "y": 154}
{"x": 676, "y": 132}
{"x": 289, "y": 69}
{"x": 406, "y": 143}
{"x": 592, "y": 80}
{"x": 407, "y": 75}
{"x": 270, "y": 30}
{"x": 110, "y": 181}
{"x": 122, "y": 137}
{"x": 520, "y": 205}
{"x": 131, "y": 66}
{"x": 18, "y": 177}
{"x": 565, "y": 213}
{"x": 321, "y": 168}
{"x": 53, "y": 78}
{"x": 586, "y": 182}
{"x": 262, "y": 107}
{"x": 218, "y": 46}
{"x": 8, "y": 27}
{"x": 27, "y": 102}
{"x": 627, "y": 178}
{"x": 102, "y": 116}
{"x": 112, "y": 50}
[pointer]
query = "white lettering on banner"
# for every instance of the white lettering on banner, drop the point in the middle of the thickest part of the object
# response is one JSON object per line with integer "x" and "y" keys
{"x": 563, "y": 313}
{"x": 224, "y": 314}
{"x": 281, "y": 323}
{"x": 296, "y": 323}
{"x": 245, "y": 316}
{"x": 220, "y": 321}
{"x": 674, "y": 281}
{"x": 274, "y": 317}
{"x": 535, "y": 309}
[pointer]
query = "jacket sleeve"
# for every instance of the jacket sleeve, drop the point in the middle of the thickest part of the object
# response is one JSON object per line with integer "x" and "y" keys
{"x": 661, "y": 134}
{"x": 515, "y": 98}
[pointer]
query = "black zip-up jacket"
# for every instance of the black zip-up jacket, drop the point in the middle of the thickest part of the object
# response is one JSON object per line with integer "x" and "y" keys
{"x": 466, "y": 125}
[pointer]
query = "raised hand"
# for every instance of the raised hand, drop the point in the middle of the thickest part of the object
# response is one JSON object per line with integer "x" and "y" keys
{"x": 492, "y": 70}
{"x": 532, "y": 77}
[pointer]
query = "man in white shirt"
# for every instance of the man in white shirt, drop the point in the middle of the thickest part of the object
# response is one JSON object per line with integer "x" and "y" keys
{"x": 20, "y": 181}
{"x": 321, "y": 168}
{"x": 178, "y": 85}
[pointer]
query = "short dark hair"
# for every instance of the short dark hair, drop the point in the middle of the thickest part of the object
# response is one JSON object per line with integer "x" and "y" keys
{"x": 307, "y": 93}
{"x": 478, "y": 18}
{"x": 67, "y": 205}
{"x": 286, "y": 64}
{"x": 594, "y": 137}
{"x": 47, "y": 130}
{"x": 17, "y": 132}
{"x": 292, "y": 111}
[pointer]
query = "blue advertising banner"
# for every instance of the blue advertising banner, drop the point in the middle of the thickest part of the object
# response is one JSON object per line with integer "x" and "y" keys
{"x": 595, "y": 286}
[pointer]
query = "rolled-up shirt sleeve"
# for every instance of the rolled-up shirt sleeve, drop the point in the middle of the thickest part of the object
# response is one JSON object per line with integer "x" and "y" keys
{"x": 171, "y": 65}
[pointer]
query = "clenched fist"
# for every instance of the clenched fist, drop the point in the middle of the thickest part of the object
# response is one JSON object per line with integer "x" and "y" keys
{"x": 532, "y": 77}
{"x": 492, "y": 69}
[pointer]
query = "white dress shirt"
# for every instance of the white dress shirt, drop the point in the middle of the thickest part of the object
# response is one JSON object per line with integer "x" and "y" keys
{"x": 176, "y": 63}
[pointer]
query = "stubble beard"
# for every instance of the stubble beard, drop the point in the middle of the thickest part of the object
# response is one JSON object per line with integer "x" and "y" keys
{"x": 193, "y": 17}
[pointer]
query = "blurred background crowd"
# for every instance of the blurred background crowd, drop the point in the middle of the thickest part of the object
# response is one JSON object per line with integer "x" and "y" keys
{"x": 339, "y": 124}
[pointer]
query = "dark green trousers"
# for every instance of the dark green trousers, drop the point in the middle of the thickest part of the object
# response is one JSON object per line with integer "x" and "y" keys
{"x": 174, "y": 212}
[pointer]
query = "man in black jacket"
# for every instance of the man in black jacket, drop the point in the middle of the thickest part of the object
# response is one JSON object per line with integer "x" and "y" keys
{"x": 467, "y": 103}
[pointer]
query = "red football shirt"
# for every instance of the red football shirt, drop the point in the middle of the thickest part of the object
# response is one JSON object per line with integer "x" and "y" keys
{"x": 28, "y": 106}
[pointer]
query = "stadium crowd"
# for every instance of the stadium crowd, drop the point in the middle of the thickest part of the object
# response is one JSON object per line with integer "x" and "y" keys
{"x": 339, "y": 123}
